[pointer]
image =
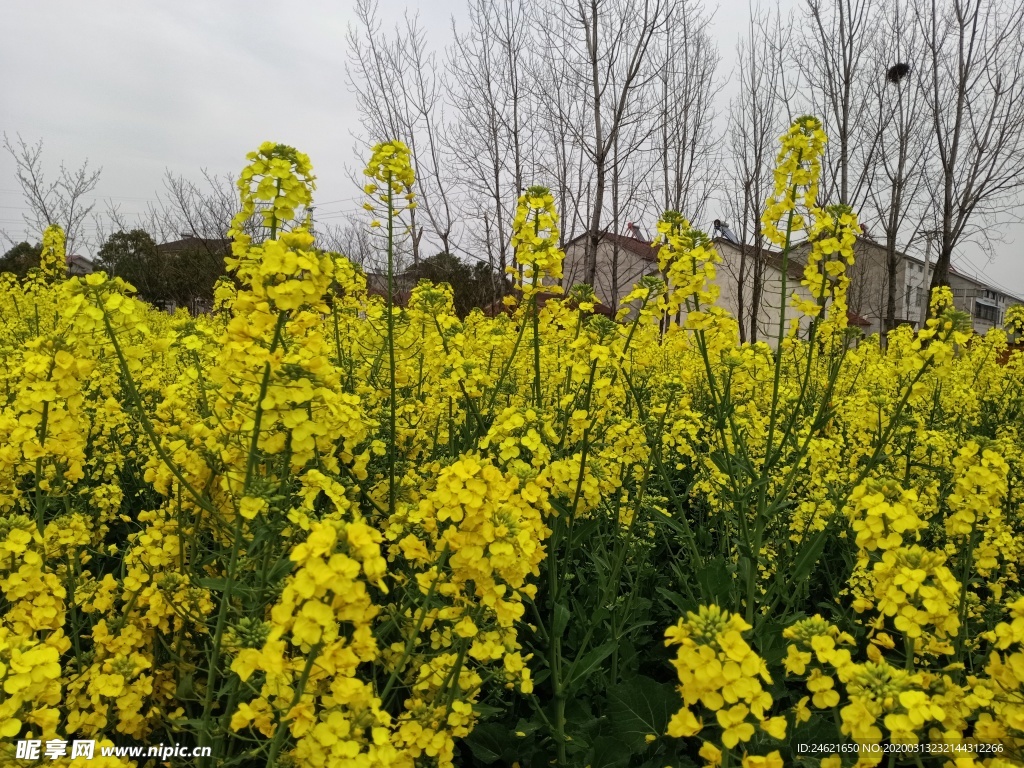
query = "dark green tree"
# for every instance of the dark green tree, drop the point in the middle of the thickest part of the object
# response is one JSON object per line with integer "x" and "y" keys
{"x": 193, "y": 269}
{"x": 20, "y": 259}
{"x": 476, "y": 285}
{"x": 134, "y": 258}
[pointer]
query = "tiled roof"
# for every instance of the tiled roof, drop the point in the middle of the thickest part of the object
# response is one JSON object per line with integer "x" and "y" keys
{"x": 641, "y": 248}
{"x": 854, "y": 319}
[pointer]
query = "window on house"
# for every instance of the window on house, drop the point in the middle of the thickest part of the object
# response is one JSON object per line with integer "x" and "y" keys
{"x": 986, "y": 313}
{"x": 918, "y": 296}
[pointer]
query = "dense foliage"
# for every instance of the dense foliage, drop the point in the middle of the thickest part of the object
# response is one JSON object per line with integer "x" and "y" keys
{"x": 339, "y": 532}
{"x": 20, "y": 259}
{"x": 182, "y": 272}
{"x": 473, "y": 286}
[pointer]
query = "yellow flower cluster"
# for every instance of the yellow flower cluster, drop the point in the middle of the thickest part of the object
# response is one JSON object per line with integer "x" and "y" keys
{"x": 720, "y": 671}
{"x": 277, "y": 181}
{"x": 317, "y": 528}
{"x": 833, "y": 234}
{"x": 486, "y": 530}
{"x": 52, "y": 264}
{"x": 976, "y": 520}
{"x": 390, "y": 165}
{"x": 687, "y": 259}
{"x": 881, "y": 514}
{"x": 797, "y": 171}
{"x": 535, "y": 243}
{"x": 321, "y": 633}
{"x": 1013, "y": 319}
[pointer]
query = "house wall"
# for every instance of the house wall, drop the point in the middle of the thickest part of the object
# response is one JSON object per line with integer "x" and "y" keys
{"x": 771, "y": 292}
{"x": 632, "y": 267}
{"x": 627, "y": 267}
{"x": 913, "y": 299}
{"x": 985, "y": 304}
{"x": 868, "y": 294}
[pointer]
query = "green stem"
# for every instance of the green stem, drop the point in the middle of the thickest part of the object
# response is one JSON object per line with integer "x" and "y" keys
{"x": 538, "y": 394}
{"x": 250, "y": 466}
{"x": 392, "y": 404}
{"x": 410, "y": 642}
{"x": 279, "y": 733}
{"x": 205, "y": 736}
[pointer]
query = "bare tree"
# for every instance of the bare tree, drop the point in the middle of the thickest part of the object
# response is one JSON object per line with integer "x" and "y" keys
{"x": 188, "y": 209}
{"x": 563, "y": 163}
{"x": 896, "y": 195}
{"x": 973, "y": 78}
{"x": 685, "y": 145}
{"x": 493, "y": 108}
{"x": 350, "y": 238}
{"x": 833, "y": 58}
{"x": 64, "y": 201}
{"x": 400, "y": 93}
{"x": 601, "y": 50}
{"x": 629, "y": 201}
{"x": 757, "y": 117}
{"x": 190, "y": 221}
{"x": 112, "y": 220}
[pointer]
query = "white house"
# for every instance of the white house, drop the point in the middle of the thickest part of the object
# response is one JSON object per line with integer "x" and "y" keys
{"x": 622, "y": 260}
{"x": 869, "y": 288}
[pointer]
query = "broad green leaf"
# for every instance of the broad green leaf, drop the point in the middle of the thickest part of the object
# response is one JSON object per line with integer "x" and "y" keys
{"x": 715, "y": 582}
{"x": 582, "y": 668}
{"x": 639, "y": 708}
{"x": 562, "y": 615}
{"x": 489, "y": 741}
{"x": 609, "y": 752}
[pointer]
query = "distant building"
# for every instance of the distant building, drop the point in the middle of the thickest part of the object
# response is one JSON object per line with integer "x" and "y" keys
{"x": 737, "y": 258}
{"x": 78, "y": 265}
{"x": 869, "y": 290}
{"x": 190, "y": 243}
{"x": 377, "y": 285}
{"x": 622, "y": 260}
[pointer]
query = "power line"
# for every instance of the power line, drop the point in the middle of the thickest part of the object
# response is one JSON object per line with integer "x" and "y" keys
{"x": 91, "y": 197}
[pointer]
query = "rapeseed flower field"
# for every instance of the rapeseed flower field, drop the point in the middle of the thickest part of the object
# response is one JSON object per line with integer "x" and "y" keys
{"x": 315, "y": 528}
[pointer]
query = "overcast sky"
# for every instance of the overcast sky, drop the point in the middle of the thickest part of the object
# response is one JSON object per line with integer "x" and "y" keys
{"x": 138, "y": 87}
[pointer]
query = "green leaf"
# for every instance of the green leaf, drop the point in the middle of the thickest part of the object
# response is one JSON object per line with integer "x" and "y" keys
{"x": 562, "y": 615}
{"x": 486, "y": 711}
{"x": 680, "y": 603}
{"x": 184, "y": 689}
{"x": 488, "y": 742}
{"x": 808, "y": 557}
{"x": 527, "y": 726}
{"x": 280, "y": 569}
{"x": 609, "y": 752}
{"x": 212, "y": 584}
{"x": 640, "y": 707}
{"x": 582, "y": 668}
